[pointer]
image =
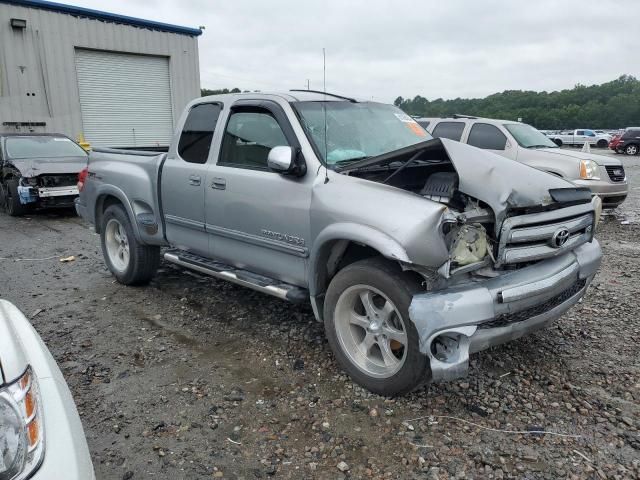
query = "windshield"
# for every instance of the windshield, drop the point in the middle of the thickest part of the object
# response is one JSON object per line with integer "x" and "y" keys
{"x": 357, "y": 130}
{"x": 42, "y": 147}
{"x": 529, "y": 137}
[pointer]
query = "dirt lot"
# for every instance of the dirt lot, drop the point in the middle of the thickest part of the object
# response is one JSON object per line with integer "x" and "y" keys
{"x": 194, "y": 378}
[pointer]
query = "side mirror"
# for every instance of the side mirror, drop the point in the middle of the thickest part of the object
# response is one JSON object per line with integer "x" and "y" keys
{"x": 284, "y": 160}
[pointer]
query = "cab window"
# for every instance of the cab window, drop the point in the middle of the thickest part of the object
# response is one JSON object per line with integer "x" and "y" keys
{"x": 249, "y": 136}
{"x": 197, "y": 133}
{"x": 487, "y": 136}
{"x": 451, "y": 130}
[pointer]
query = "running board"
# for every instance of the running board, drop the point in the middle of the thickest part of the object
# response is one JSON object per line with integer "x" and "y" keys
{"x": 240, "y": 277}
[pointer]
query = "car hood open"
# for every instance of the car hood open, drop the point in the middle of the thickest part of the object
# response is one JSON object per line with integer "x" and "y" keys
{"x": 32, "y": 167}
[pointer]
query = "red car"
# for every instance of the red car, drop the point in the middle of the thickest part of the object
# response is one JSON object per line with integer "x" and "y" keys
{"x": 627, "y": 141}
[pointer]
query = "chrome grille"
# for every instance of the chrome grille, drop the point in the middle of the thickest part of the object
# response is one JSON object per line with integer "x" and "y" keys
{"x": 531, "y": 237}
{"x": 616, "y": 173}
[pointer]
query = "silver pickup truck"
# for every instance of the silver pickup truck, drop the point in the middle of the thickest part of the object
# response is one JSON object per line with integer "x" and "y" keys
{"x": 413, "y": 251}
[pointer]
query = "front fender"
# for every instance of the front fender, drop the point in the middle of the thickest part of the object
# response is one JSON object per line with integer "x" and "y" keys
{"x": 347, "y": 231}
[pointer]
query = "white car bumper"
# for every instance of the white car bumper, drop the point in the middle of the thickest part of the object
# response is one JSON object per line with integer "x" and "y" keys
{"x": 66, "y": 454}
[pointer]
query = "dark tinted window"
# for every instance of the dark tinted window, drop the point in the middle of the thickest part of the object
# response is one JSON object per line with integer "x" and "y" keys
{"x": 423, "y": 123}
{"x": 631, "y": 134}
{"x": 487, "y": 136}
{"x": 452, "y": 130}
{"x": 197, "y": 133}
{"x": 249, "y": 137}
{"x": 580, "y": 132}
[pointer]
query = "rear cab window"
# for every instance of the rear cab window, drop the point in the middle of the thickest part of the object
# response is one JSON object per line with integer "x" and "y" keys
{"x": 486, "y": 136}
{"x": 451, "y": 130}
{"x": 197, "y": 132}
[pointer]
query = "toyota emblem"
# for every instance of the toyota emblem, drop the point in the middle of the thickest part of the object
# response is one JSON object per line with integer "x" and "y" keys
{"x": 560, "y": 237}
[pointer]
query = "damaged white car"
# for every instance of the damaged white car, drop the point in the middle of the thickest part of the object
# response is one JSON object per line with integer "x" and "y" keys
{"x": 413, "y": 251}
{"x": 38, "y": 171}
{"x": 41, "y": 437}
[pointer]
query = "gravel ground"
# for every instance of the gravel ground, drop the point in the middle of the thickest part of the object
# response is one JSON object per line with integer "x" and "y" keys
{"x": 193, "y": 378}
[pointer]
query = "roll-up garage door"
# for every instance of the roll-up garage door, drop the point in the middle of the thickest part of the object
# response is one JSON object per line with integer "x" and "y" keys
{"x": 125, "y": 99}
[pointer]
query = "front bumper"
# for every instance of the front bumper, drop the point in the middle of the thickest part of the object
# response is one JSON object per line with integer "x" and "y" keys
{"x": 66, "y": 454}
{"x": 469, "y": 318}
{"x": 612, "y": 194}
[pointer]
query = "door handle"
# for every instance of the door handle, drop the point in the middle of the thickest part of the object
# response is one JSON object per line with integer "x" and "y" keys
{"x": 194, "y": 180}
{"x": 218, "y": 183}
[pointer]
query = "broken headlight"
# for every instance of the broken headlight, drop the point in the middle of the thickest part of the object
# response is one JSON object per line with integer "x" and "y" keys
{"x": 21, "y": 428}
{"x": 467, "y": 244}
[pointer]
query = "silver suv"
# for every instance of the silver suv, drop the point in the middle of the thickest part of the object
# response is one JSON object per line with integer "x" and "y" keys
{"x": 603, "y": 175}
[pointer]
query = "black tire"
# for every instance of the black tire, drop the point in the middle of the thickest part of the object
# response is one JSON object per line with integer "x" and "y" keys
{"x": 12, "y": 199}
{"x": 557, "y": 141}
{"x": 602, "y": 143}
{"x": 143, "y": 260}
{"x": 399, "y": 287}
{"x": 631, "y": 149}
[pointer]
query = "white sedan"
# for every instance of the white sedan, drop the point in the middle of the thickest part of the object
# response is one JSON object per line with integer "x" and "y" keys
{"x": 41, "y": 436}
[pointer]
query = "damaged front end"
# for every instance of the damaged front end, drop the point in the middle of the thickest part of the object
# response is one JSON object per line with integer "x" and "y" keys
{"x": 521, "y": 248}
{"x": 56, "y": 190}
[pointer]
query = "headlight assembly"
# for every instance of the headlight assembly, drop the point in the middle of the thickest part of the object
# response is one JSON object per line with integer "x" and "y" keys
{"x": 21, "y": 428}
{"x": 589, "y": 170}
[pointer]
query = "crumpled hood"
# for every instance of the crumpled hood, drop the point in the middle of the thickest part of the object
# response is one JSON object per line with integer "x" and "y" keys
{"x": 32, "y": 167}
{"x": 501, "y": 182}
{"x": 13, "y": 361}
{"x": 577, "y": 154}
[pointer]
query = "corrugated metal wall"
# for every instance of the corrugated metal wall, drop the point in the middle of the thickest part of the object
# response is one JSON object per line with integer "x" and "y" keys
{"x": 38, "y": 80}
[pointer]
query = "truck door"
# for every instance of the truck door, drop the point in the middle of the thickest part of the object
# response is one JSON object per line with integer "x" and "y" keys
{"x": 258, "y": 219}
{"x": 183, "y": 180}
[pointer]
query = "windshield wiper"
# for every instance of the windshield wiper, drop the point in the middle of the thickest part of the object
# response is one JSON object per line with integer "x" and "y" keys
{"x": 543, "y": 146}
{"x": 350, "y": 160}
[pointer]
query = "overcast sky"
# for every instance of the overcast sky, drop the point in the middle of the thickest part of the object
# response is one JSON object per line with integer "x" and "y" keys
{"x": 383, "y": 49}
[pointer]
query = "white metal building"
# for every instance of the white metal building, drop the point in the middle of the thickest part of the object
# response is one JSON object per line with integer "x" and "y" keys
{"x": 119, "y": 81}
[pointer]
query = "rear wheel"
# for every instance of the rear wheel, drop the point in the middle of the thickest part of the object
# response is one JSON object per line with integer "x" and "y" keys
{"x": 368, "y": 327}
{"x": 557, "y": 141}
{"x": 12, "y": 199}
{"x": 602, "y": 143}
{"x": 631, "y": 149}
{"x": 131, "y": 262}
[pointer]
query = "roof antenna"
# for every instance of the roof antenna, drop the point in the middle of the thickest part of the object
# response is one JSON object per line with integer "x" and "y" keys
{"x": 324, "y": 108}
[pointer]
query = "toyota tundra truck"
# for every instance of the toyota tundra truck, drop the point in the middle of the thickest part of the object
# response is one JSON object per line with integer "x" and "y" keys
{"x": 413, "y": 251}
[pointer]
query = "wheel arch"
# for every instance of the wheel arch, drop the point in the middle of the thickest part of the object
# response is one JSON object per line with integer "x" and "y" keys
{"x": 113, "y": 196}
{"x": 340, "y": 245}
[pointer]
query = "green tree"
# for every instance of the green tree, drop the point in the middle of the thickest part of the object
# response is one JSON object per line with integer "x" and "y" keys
{"x": 614, "y": 104}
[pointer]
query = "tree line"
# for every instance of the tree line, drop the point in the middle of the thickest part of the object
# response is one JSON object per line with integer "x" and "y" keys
{"x": 614, "y": 104}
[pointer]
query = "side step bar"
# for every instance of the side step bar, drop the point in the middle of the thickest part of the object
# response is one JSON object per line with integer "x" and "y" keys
{"x": 244, "y": 278}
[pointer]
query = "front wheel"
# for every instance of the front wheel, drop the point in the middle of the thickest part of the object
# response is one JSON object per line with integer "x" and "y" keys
{"x": 368, "y": 327}
{"x": 131, "y": 262}
{"x": 631, "y": 149}
{"x": 602, "y": 144}
{"x": 12, "y": 199}
{"x": 557, "y": 141}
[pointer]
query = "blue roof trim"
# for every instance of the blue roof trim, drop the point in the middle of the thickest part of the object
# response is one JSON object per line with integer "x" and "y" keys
{"x": 106, "y": 16}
